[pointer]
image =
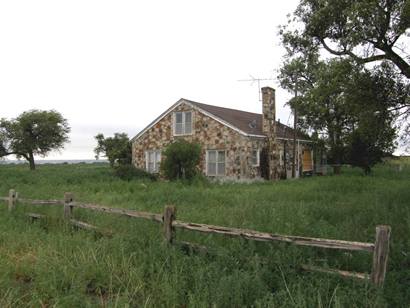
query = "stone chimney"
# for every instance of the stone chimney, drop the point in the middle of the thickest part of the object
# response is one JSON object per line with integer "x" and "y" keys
{"x": 269, "y": 129}
{"x": 268, "y": 109}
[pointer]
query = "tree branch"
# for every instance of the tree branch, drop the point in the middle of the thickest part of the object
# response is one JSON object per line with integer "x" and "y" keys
{"x": 10, "y": 153}
{"x": 351, "y": 54}
{"x": 399, "y": 108}
{"x": 389, "y": 54}
{"x": 400, "y": 63}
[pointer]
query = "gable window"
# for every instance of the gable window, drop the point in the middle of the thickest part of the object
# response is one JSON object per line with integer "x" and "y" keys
{"x": 152, "y": 161}
{"x": 215, "y": 163}
{"x": 255, "y": 158}
{"x": 182, "y": 123}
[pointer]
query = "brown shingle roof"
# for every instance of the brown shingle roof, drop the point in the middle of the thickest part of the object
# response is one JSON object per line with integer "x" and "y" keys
{"x": 248, "y": 122}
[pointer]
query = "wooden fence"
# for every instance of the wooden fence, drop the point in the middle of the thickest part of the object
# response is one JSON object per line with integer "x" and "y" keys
{"x": 379, "y": 249}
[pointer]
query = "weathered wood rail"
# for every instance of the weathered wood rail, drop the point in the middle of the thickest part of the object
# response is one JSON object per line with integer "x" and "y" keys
{"x": 379, "y": 249}
{"x": 269, "y": 237}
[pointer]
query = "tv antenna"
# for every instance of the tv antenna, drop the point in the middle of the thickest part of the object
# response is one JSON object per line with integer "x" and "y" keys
{"x": 253, "y": 80}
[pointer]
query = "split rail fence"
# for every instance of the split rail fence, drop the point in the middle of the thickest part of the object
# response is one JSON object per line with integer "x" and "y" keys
{"x": 379, "y": 249}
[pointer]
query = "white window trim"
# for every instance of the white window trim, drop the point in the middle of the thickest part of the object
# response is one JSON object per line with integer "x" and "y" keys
{"x": 206, "y": 163}
{"x": 258, "y": 158}
{"x": 157, "y": 168}
{"x": 183, "y": 123}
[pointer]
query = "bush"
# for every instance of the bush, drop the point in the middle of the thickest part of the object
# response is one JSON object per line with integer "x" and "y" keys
{"x": 130, "y": 172}
{"x": 181, "y": 160}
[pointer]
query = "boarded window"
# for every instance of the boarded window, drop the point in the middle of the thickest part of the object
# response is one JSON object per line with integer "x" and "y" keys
{"x": 307, "y": 162}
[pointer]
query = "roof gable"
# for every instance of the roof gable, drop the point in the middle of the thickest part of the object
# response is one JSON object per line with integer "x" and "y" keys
{"x": 246, "y": 123}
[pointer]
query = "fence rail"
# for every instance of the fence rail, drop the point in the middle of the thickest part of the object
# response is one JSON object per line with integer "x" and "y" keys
{"x": 124, "y": 212}
{"x": 269, "y": 237}
{"x": 379, "y": 249}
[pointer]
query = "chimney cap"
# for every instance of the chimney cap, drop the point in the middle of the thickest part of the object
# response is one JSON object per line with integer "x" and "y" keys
{"x": 266, "y": 89}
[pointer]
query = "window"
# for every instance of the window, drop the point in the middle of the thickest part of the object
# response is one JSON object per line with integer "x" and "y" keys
{"x": 215, "y": 165}
{"x": 152, "y": 161}
{"x": 255, "y": 158}
{"x": 183, "y": 123}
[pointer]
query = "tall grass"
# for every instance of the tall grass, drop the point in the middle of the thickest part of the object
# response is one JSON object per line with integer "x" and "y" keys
{"x": 50, "y": 264}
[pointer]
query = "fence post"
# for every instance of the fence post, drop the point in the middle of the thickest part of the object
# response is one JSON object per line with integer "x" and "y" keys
{"x": 168, "y": 218}
{"x": 68, "y": 209}
{"x": 380, "y": 255}
{"x": 12, "y": 199}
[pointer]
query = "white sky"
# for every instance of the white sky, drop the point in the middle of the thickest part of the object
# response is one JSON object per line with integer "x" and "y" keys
{"x": 114, "y": 66}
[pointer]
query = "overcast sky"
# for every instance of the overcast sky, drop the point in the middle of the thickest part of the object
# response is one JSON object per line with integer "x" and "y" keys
{"x": 114, "y": 66}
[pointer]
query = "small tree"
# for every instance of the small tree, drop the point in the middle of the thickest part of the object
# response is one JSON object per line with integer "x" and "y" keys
{"x": 181, "y": 160}
{"x": 362, "y": 153}
{"x": 372, "y": 140}
{"x": 34, "y": 132}
{"x": 117, "y": 149}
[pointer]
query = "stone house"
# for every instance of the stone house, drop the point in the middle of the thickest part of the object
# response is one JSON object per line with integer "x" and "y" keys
{"x": 235, "y": 144}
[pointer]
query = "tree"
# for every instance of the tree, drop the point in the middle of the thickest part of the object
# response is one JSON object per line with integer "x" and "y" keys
{"x": 321, "y": 103}
{"x": 181, "y": 160}
{"x": 117, "y": 149}
{"x": 356, "y": 32}
{"x": 374, "y": 132}
{"x": 351, "y": 107}
{"x": 365, "y": 149}
{"x": 34, "y": 132}
{"x": 363, "y": 30}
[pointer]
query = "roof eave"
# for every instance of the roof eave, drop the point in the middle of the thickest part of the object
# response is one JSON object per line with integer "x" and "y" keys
{"x": 211, "y": 115}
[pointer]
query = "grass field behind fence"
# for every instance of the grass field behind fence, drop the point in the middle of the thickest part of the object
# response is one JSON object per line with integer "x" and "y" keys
{"x": 49, "y": 264}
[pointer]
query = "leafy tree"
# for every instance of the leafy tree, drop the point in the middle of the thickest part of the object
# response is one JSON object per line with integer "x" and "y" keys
{"x": 353, "y": 32}
{"x": 117, "y": 149}
{"x": 348, "y": 105}
{"x": 34, "y": 132}
{"x": 181, "y": 160}
{"x": 373, "y": 132}
{"x": 321, "y": 103}
{"x": 365, "y": 149}
{"x": 363, "y": 30}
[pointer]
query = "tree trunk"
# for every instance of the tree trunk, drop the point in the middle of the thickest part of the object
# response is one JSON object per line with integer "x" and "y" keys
{"x": 31, "y": 161}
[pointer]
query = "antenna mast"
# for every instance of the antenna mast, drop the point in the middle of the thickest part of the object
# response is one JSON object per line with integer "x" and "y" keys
{"x": 252, "y": 80}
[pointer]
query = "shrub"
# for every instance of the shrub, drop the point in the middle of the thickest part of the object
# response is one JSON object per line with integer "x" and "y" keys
{"x": 130, "y": 172}
{"x": 181, "y": 160}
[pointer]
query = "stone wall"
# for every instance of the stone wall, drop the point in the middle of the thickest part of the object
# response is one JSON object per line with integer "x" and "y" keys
{"x": 211, "y": 135}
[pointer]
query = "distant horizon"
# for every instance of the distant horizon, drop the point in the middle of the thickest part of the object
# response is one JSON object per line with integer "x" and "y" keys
{"x": 22, "y": 161}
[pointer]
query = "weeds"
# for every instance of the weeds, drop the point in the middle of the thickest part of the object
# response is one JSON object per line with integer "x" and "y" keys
{"x": 48, "y": 264}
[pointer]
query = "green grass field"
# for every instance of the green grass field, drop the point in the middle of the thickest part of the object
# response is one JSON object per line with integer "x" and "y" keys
{"x": 48, "y": 264}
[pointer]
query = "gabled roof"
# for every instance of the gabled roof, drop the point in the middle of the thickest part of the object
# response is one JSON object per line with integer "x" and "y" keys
{"x": 246, "y": 123}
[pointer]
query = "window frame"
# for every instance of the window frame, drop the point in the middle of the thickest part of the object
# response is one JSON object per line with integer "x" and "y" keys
{"x": 157, "y": 163}
{"x": 217, "y": 163}
{"x": 183, "y": 123}
{"x": 258, "y": 158}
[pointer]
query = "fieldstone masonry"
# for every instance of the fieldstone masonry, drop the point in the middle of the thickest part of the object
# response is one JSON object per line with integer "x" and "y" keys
{"x": 213, "y": 135}
{"x": 269, "y": 129}
{"x": 210, "y": 134}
